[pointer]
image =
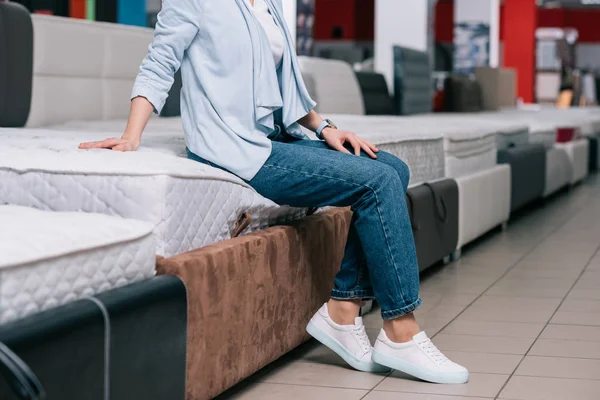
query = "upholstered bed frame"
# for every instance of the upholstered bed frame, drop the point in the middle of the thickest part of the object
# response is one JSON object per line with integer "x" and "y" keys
{"x": 484, "y": 203}
{"x": 128, "y": 343}
{"x": 528, "y": 173}
{"x": 578, "y": 152}
{"x": 559, "y": 171}
{"x": 433, "y": 209}
{"x": 266, "y": 286}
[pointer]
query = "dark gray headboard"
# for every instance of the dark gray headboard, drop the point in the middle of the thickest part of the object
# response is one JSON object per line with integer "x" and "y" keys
{"x": 375, "y": 93}
{"x": 463, "y": 94}
{"x": 16, "y": 64}
{"x": 413, "y": 87}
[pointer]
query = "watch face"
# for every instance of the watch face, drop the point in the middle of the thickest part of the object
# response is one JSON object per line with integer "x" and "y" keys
{"x": 331, "y": 124}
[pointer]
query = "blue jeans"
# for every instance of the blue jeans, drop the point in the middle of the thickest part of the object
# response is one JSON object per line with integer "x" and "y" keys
{"x": 380, "y": 258}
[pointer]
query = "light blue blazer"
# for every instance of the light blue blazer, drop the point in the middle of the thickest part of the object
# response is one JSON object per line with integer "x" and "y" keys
{"x": 233, "y": 96}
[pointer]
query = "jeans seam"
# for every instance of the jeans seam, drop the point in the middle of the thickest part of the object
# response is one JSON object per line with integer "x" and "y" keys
{"x": 387, "y": 240}
{"x": 359, "y": 277}
{"x": 377, "y": 207}
{"x": 319, "y": 175}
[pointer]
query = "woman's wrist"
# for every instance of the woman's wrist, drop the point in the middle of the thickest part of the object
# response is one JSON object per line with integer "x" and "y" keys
{"x": 326, "y": 131}
{"x": 132, "y": 137}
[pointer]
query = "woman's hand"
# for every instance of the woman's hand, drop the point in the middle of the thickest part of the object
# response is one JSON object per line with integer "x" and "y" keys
{"x": 141, "y": 109}
{"x": 336, "y": 139}
{"x": 115, "y": 144}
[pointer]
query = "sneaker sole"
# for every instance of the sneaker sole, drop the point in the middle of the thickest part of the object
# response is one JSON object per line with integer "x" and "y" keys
{"x": 341, "y": 351}
{"x": 425, "y": 375}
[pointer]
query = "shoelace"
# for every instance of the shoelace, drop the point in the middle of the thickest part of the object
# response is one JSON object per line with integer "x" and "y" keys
{"x": 363, "y": 339}
{"x": 433, "y": 352}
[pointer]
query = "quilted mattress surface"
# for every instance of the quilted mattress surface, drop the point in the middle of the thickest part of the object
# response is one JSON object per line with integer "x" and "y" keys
{"x": 470, "y": 146}
{"x": 508, "y": 132}
{"x": 421, "y": 149}
{"x": 424, "y": 153}
{"x": 585, "y": 120}
{"x": 190, "y": 205}
{"x": 467, "y": 148}
{"x": 49, "y": 259}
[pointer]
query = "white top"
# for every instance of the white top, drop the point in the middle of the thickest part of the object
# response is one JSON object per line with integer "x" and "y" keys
{"x": 276, "y": 39}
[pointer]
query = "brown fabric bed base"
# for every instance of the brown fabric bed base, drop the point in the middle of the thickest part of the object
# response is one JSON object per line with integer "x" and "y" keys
{"x": 250, "y": 298}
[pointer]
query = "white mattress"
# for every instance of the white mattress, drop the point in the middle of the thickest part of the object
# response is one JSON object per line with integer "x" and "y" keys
{"x": 467, "y": 149}
{"x": 509, "y": 133}
{"x": 49, "y": 259}
{"x": 470, "y": 145}
{"x": 585, "y": 120}
{"x": 421, "y": 149}
{"x": 423, "y": 152}
{"x": 190, "y": 205}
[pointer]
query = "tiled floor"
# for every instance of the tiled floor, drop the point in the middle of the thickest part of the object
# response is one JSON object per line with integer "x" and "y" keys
{"x": 521, "y": 310}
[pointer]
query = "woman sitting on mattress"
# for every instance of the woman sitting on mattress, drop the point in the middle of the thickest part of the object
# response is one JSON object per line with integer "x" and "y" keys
{"x": 243, "y": 105}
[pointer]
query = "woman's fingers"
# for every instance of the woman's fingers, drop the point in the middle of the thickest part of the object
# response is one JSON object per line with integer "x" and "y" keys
{"x": 367, "y": 149}
{"x": 102, "y": 144}
{"x": 339, "y": 147}
{"x": 371, "y": 145}
{"x": 355, "y": 143}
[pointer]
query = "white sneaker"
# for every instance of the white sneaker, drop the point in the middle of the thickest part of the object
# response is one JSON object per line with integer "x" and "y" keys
{"x": 348, "y": 341}
{"x": 419, "y": 358}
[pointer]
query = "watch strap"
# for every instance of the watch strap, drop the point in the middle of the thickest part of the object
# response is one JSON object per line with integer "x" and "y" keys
{"x": 322, "y": 126}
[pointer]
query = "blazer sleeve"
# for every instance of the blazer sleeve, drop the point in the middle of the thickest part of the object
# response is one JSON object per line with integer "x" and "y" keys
{"x": 176, "y": 28}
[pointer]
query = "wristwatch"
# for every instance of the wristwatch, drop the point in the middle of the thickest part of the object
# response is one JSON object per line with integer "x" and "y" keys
{"x": 325, "y": 124}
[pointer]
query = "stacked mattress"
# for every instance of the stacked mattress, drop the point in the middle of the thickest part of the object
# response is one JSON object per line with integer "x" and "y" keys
{"x": 49, "y": 259}
{"x": 545, "y": 124}
{"x": 508, "y": 133}
{"x": 189, "y": 204}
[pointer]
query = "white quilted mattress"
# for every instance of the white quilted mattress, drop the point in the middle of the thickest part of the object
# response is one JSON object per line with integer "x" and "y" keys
{"x": 424, "y": 153}
{"x": 421, "y": 149}
{"x": 190, "y": 205}
{"x": 467, "y": 148}
{"x": 49, "y": 259}
{"x": 508, "y": 132}
{"x": 585, "y": 120}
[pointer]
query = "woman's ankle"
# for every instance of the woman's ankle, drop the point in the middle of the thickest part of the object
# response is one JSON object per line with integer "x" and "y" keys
{"x": 402, "y": 329}
{"x": 343, "y": 312}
